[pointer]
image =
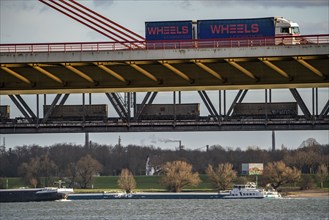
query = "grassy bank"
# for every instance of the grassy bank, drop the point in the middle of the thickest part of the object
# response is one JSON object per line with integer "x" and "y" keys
{"x": 143, "y": 183}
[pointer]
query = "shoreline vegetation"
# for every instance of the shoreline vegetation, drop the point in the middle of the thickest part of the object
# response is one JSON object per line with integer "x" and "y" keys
{"x": 151, "y": 184}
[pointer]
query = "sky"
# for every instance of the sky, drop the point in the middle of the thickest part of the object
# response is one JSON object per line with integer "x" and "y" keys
{"x": 30, "y": 21}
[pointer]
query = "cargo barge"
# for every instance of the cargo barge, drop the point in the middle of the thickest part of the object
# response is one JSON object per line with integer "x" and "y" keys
{"x": 30, "y": 195}
{"x": 97, "y": 196}
{"x": 243, "y": 191}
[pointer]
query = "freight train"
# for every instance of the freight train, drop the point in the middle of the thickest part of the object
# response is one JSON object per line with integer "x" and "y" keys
{"x": 270, "y": 28}
{"x": 261, "y": 110}
{"x": 186, "y": 111}
{"x": 77, "y": 112}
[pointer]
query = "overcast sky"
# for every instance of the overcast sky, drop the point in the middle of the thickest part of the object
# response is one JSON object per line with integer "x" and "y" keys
{"x": 30, "y": 21}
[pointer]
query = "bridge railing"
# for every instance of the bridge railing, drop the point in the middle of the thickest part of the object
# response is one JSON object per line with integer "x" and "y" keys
{"x": 158, "y": 45}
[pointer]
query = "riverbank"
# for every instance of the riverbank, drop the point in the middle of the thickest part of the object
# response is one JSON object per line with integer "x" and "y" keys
{"x": 311, "y": 193}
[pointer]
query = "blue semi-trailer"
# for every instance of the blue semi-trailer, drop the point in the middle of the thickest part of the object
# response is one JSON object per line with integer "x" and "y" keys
{"x": 268, "y": 27}
{"x": 169, "y": 30}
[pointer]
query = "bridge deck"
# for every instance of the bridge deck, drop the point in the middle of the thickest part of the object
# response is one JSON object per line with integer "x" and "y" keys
{"x": 94, "y": 67}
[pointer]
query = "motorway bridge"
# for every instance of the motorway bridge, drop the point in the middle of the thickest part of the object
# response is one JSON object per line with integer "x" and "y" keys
{"x": 110, "y": 68}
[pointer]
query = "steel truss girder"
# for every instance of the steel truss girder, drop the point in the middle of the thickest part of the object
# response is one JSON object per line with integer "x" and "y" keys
{"x": 310, "y": 67}
{"x": 118, "y": 104}
{"x": 146, "y": 98}
{"x": 17, "y": 75}
{"x": 176, "y": 71}
{"x": 212, "y": 110}
{"x": 325, "y": 109}
{"x": 18, "y": 101}
{"x": 52, "y": 106}
{"x": 238, "y": 99}
{"x": 143, "y": 71}
{"x": 111, "y": 72}
{"x": 79, "y": 73}
{"x": 47, "y": 73}
{"x": 167, "y": 127}
{"x": 62, "y": 102}
{"x": 300, "y": 103}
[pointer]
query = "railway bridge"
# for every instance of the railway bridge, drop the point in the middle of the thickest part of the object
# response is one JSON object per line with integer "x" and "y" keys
{"x": 147, "y": 69}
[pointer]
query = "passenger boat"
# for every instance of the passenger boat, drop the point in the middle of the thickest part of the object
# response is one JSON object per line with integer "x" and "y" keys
{"x": 249, "y": 191}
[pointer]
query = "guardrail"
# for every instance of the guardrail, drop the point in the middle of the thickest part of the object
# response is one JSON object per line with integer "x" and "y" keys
{"x": 161, "y": 45}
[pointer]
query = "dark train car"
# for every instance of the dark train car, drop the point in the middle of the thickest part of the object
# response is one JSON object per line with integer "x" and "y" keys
{"x": 260, "y": 110}
{"x": 169, "y": 111}
{"x": 4, "y": 112}
{"x": 77, "y": 112}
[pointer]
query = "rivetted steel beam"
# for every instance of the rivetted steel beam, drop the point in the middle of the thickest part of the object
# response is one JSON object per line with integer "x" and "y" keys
{"x": 144, "y": 72}
{"x": 178, "y": 72}
{"x": 275, "y": 68}
{"x": 17, "y": 75}
{"x": 207, "y": 69}
{"x": 242, "y": 69}
{"x": 45, "y": 72}
{"x": 20, "y": 107}
{"x": 79, "y": 73}
{"x": 310, "y": 67}
{"x": 50, "y": 110}
{"x": 301, "y": 103}
{"x": 111, "y": 72}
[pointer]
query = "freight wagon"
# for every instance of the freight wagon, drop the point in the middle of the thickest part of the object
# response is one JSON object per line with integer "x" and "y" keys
{"x": 77, "y": 112}
{"x": 260, "y": 110}
{"x": 4, "y": 113}
{"x": 161, "y": 33}
{"x": 184, "y": 111}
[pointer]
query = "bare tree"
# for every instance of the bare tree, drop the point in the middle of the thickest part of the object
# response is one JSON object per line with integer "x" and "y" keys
{"x": 126, "y": 181}
{"x": 178, "y": 174}
{"x": 222, "y": 176}
{"x": 322, "y": 174}
{"x": 277, "y": 173}
{"x": 87, "y": 167}
{"x": 38, "y": 167}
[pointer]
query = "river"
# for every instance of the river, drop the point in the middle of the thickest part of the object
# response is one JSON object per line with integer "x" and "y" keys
{"x": 309, "y": 208}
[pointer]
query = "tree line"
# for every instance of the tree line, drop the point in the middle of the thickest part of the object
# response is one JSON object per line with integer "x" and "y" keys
{"x": 81, "y": 163}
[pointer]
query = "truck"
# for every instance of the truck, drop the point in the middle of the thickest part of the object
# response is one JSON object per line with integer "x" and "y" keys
{"x": 269, "y": 27}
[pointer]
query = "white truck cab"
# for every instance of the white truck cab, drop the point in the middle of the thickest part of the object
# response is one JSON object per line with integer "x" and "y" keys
{"x": 286, "y": 28}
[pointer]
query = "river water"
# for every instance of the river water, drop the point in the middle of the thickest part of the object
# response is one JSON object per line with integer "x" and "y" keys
{"x": 310, "y": 208}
